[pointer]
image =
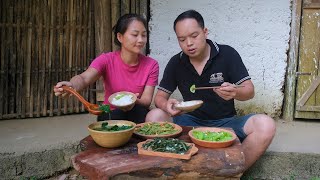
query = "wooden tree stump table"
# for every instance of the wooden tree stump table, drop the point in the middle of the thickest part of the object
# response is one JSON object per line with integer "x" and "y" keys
{"x": 96, "y": 162}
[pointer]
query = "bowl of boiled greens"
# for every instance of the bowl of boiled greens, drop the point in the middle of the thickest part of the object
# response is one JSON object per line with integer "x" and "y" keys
{"x": 150, "y": 130}
{"x": 212, "y": 137}
{"x": 111, "y": 133}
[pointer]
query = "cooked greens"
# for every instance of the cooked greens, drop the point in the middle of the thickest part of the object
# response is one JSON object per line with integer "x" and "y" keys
{"x": 105, "y": 108}
{"x": 170, "y": 145}
{"x": 155, "y": 128}
{"x": 212, "y": 136}
{"x": 105, "y": 127}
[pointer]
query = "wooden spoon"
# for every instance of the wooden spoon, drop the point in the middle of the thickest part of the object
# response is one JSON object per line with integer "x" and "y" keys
{"x": 92, "y": 108}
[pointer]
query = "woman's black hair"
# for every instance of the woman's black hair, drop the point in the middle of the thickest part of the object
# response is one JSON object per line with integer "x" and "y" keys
{"x": 123, "y": 23}
{"x": 192, "y": 14}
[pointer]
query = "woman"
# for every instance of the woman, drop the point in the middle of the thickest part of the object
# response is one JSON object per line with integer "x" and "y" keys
{"x": 123, "y": 70}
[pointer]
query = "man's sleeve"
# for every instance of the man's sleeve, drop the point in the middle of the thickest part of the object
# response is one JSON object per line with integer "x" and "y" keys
{"x": 238, "y": 73}
{"x": 168, "y": 83}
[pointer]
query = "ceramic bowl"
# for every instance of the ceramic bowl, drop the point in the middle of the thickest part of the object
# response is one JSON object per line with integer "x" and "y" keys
{"x": 111, "y": 139}
{"x": 151, "y": 136}
{"x": 124, "y": 106}
{"x": 212, "y": 144}
{"x": 189, "y": 106}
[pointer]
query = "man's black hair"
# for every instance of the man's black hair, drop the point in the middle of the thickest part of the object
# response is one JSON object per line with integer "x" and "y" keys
{"x": 192, "y": 14}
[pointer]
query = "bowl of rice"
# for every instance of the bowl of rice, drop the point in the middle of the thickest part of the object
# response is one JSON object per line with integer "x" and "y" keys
{"x": 188, "y": 106}
{"x": 123, "y": 100}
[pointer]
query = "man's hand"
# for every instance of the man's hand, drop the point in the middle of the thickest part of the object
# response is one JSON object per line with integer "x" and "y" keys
{"x": 170, "y": 107}
{"x": 227, "y": 91}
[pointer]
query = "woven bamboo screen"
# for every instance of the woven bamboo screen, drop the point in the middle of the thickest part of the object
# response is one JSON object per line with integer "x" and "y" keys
{"x": 46, "y": 41}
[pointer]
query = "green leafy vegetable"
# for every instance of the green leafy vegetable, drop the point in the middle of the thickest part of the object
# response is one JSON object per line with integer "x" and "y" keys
{"x": 119, "y": 96}
{"x": 212, "y": 136}
{"x": 155, "y": 128}
{"x": 170, "y": 145}
{"x": 105, "y": 108}
{"x": 193, "y": 88}
{"x": 105, "y": 127}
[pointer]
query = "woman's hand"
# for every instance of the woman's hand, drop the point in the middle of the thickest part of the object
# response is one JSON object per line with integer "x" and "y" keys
{"x": 58, "y": 91}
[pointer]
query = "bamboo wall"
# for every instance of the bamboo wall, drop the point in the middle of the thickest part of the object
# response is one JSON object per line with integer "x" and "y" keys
{"x": 46, "y": 41}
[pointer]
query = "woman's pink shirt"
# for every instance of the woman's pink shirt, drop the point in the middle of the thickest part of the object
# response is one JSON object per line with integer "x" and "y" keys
{"x": 119, "y": 76}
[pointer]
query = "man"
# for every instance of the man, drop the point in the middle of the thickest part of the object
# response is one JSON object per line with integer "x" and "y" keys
{"x": 206, "y": 63}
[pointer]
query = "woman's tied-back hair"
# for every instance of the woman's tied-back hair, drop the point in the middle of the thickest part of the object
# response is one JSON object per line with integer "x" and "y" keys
{"x": 123, "y": 23}
{"x": 190, "y": 14}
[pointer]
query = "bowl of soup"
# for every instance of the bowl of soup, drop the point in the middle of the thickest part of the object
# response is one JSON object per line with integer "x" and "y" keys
{"x": 111, "y": 133}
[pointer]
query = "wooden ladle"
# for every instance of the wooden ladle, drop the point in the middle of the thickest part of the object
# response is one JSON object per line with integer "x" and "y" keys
{"x": 92, "y": 108}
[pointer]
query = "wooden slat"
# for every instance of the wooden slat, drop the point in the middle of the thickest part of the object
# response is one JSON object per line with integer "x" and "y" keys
{"x": 29, "y": 62}
{"x": 312, "y": 6}
{"x": 51, "y": 50}
{"x": 40, "y": 10}
{"x": 115, "y": 14}
{"x": 125, "y": 7}
{"x": 304, "y": 98}
{"x": 68, "y": 53}
{"x": 12, "y": 60}
{"x": 133, "y": 6}
{"x": 308, "y": 108}
{"x": 73, "y": 47}
{"x": 4, "y": 69}
{"x": 91, "y": 44}
{"x": 102, "y": 31}
{"x": 77, "y": 46}
{"x": 19, "y": 34}
{"x": 143, "y": 10}
{"x": 85, "y": 51}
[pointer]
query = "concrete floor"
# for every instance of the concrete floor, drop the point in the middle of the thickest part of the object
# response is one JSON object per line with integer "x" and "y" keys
{"x": 23, "y": 136}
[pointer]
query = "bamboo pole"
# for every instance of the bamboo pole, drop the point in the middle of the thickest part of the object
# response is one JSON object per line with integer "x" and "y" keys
{"x": 4, "y": 68}
{"x": 60, "y": 45}
{"x": 77, "y": 48}
{"x": 12, "y": 61}
{"x": 115, "y": 14}
{"x": 19, "y": 32}
{"x": 125, "y": 7}
{"x": 72, "y": 48}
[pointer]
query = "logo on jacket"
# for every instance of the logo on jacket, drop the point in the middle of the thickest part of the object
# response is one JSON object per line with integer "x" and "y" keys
{"x": 216, "y": 78}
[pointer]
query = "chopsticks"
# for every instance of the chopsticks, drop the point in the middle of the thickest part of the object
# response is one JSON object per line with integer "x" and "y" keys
{"x": 216, "y": 87}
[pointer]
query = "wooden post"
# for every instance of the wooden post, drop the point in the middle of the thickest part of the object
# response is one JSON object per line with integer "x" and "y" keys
{"x": 289, "y": 103}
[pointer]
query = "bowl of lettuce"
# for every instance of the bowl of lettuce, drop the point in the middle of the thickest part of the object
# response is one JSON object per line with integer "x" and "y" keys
{"x": 212, "y": 137}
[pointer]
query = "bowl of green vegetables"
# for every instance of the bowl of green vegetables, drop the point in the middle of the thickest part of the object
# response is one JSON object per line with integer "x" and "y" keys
{"x": 111, "y": 133}
{"x": 150, "y": 130}
{"x": 212, "y": 137}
